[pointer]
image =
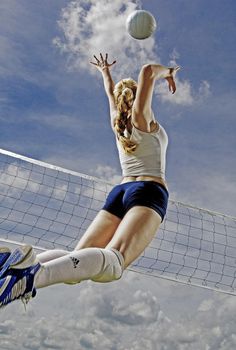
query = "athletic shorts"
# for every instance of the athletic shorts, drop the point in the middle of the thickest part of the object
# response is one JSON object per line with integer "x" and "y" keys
{"x": 142, "y": 193}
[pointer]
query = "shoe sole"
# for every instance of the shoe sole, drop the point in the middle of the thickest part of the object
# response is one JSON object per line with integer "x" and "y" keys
{"x": 4, "y": 255}
{"x": 3, "y": 284}
{"x": 20, "y": 258}
{"x": 10, "y": 284}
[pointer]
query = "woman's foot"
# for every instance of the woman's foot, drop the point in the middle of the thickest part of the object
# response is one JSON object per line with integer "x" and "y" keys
{"x": 4, "y": 255}
{"x": 17, "y": 257}
{"x": 18, "y": 275}
{"x": 18, "y": 284}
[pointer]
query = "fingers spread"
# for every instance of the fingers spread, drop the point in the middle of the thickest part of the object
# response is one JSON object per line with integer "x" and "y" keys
{"x": 103, "y": 61}
{"x": 96, "y": 58}
{"x": 101, "y": 58}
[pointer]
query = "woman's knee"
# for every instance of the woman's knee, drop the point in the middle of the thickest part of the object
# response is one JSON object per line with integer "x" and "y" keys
{"x": 113, "y": 266}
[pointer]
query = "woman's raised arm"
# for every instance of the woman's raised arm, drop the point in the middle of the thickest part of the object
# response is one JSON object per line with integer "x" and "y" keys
{"x": 142, "y": 109}
{"x": 104, "y": 67}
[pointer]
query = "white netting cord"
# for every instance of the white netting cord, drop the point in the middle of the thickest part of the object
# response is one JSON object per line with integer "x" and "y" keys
{"x": 51, "y": 207}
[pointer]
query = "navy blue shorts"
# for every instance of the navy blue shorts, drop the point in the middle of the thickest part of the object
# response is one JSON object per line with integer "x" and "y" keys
{"x": 144, "y": 193}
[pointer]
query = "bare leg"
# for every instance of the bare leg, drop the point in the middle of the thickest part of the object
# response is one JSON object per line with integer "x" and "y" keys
{"x": 135, "y": 232}
{"x": 100, "y": 231}
{"x": 98, "y": 234}
{"x": 89, "y": 260}
{"x": 131, "y": 237}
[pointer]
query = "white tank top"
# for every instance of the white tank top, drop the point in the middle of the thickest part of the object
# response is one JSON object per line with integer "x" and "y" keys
{"x": 149, "y": 158}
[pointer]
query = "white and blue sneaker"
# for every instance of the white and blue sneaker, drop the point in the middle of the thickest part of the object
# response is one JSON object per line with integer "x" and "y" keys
{"x": 23, "y": 255}
{"x": 17, "y": 276}
{"x": 18, "y": 284}
{"x": 4, "y": 255}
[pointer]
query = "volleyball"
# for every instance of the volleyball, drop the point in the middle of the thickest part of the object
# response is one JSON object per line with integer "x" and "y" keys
{"x": 141, "y": 24}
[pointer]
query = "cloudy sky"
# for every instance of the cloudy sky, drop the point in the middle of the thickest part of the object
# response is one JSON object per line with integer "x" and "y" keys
{"x": 53, "y": 108}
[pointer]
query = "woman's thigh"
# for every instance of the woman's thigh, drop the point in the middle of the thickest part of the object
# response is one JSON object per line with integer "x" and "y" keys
{"x": 100, "y": 231}
{"x": 135, "y": 232}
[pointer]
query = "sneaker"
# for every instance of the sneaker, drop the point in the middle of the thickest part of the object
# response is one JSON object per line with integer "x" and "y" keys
{"x": 18, "y": 284}
{"x": 4, "y": 255}
{"x": 23, "y": 257}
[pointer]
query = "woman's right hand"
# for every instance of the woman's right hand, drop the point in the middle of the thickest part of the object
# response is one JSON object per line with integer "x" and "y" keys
{"x": 102, "y": 64}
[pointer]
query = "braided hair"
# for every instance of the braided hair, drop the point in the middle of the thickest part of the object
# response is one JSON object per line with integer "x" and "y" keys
{"x": 124, "y": 93}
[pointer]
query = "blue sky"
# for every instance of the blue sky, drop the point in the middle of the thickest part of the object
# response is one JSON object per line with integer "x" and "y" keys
{"x": 53, "y": 108}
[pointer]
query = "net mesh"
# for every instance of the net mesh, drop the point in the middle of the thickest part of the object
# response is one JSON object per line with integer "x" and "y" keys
{"x": 51, "y": 207}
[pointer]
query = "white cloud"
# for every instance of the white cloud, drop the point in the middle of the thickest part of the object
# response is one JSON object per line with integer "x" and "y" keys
{"x": 206, "y": 305}
{"x": 90, "y": 27}
{"x": 134, "y": 313}
{"x": 183, "y": 95}
{"x": 107, "y": 173}
{"x": 204, "y": 89}
{"x": 215, "y": 191}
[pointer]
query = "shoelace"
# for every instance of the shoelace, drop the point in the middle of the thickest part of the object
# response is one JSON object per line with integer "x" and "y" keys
{"x": 26, "y": 298}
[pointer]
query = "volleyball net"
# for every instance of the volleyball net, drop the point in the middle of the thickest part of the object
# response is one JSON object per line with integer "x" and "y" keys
{"x": 51, "y": 207}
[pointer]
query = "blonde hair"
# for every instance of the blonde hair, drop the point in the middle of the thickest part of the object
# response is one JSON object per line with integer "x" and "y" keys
{"x": 124, "y": 93}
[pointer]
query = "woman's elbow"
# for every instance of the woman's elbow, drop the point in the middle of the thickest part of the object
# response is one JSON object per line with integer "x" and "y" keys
{"x": 147, "y": 71}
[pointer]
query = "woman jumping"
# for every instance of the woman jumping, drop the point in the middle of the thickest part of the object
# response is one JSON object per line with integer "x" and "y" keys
{"x": 133, "y": 210}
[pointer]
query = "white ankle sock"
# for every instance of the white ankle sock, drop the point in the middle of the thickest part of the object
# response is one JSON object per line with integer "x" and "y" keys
{"x": 100, "y": 265}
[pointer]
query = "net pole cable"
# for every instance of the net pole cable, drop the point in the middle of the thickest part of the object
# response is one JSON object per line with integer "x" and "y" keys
{"x": 51, "y": 207}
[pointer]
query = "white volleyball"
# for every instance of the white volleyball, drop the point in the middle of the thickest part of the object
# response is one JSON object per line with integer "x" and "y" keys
{"x": 141, "y": 24}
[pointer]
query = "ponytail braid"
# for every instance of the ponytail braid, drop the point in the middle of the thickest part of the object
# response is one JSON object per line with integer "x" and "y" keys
{"x": 124, "y": 93}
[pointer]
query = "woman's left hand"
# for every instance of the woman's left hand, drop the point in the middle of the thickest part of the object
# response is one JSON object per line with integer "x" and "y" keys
{"x": 170, "y": 79}
{"x": 102, "y": 64}
{"x": 171, "y": 83}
